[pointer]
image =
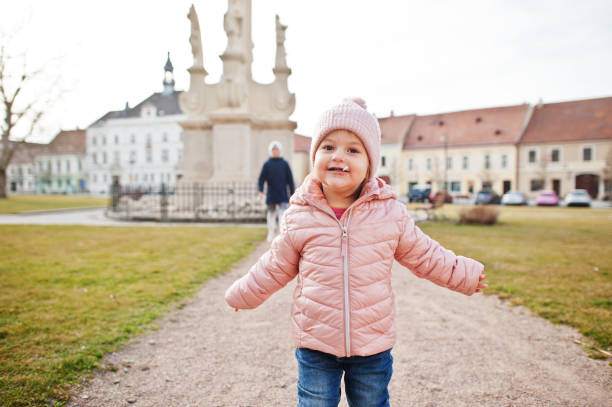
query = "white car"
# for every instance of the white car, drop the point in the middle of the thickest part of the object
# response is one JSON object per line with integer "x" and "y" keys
{"x": 577, "y": 197}
{"x": 514, "y": 198}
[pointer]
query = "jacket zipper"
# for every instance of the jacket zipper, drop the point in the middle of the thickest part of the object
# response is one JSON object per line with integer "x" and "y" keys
{"x": 347, "y": 322}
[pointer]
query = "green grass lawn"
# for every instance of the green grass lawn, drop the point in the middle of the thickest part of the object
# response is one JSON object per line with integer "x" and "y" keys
{"x": 555, "y": 261}
{"x": 70, "y": 294}
{"x": 25, "y": 203}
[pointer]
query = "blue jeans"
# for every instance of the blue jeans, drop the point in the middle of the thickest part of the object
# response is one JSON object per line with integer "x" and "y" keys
{"x": 365, "y": 379}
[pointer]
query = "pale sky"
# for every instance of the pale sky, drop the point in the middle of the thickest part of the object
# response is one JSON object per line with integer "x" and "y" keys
{"x": 407, "y": 56}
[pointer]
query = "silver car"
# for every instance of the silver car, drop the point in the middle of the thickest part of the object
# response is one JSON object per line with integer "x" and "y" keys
{"x": 577, "y": 197}
{"x": 514, "y": 198}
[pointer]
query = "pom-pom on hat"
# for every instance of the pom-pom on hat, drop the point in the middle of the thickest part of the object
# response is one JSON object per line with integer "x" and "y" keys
{"x": 350, "y": 115}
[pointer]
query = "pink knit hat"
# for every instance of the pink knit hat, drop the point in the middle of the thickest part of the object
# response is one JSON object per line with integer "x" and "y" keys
{"x": 350, "y": 115}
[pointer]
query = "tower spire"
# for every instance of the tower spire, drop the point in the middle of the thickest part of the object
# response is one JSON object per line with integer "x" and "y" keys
{"x": 168, "y": 77}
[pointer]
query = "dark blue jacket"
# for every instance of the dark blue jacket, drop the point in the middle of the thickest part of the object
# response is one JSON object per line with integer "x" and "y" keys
{"x": 277, "y": 174}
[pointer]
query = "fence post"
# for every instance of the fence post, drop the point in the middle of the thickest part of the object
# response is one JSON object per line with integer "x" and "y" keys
{"x": 163, "y": 203}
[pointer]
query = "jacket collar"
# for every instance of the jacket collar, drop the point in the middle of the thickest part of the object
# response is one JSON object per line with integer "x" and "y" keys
{"x": 310, "y": 192}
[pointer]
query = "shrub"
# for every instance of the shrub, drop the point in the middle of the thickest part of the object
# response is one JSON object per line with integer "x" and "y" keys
{"x": 484, "y": 214}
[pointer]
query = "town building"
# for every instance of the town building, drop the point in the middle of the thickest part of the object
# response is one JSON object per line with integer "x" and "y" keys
{"x": 141, "y": 145}
{"x": 567, "y": 146}
{"x": 59, "y": 167}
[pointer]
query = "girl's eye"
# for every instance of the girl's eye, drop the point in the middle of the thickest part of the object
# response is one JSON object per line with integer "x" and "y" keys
{"x": 353, "y": 150}
{"x": 328, "y": 147}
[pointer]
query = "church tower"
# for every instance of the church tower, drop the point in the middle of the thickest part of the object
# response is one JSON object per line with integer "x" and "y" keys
{"x": 168, "y": 77}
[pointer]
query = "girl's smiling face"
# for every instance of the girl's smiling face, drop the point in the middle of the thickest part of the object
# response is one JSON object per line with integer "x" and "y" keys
{"x": 341, "y": 164}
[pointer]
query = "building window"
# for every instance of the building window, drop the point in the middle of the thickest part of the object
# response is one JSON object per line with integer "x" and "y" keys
{"x": 133, "y": 138}
{"x": 132, "y": 157}
{"x": 487, "y": 163}
{"x": 95, "y": 178}
{"x": 104, "y": 157}
{"x": 455, "y": 186}
{"x": 152, "y": 177}
{"x": 383, "y": 161}
{"x": 179, "y": 154}
{"x": 58, "y": 164}
{"x": 116, "y": 139}
{"x": 103, "y": 140}
{"x": 165, "y": 137}
{"x": 149, "y": 156}
{"x": 466, "y": 162}
{"x": 149, "y": 139}
{"x": 504, "y": 162}
{"x": 116, "y": 157}
{"x": 94, "y": 141}
{"x": 554, "y": 155}
{"x": 587, "y": 154}
{"x": 410, "y": 164}
{"x": 428, "y": 164}
{"x": 164, "y": 156}
{"x": 449, "y": 163}
{"x": 80, "y": 165}
{"x": 537, "y": 184}
{"x": 532, "y": 156}
{"x": 104, "y": 179}
{"x": 67, "y": 166}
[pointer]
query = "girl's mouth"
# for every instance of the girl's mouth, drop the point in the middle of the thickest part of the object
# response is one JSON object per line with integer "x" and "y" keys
{"x": 339, "y": 169}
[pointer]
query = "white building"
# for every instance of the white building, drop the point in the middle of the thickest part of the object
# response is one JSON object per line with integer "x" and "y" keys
{"x": 139, "y": 146}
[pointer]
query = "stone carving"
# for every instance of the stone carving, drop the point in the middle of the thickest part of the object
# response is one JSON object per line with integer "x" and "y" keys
{"x": 233, "y": 21}
{"x": 281, "y": 55}
{"x": 195, "y": 39}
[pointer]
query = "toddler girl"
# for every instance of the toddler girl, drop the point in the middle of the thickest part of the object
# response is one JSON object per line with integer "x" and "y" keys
{"x": 340, "y": 236}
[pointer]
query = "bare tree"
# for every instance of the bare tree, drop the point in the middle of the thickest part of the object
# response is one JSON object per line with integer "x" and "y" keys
{"x": 22, "y": 110}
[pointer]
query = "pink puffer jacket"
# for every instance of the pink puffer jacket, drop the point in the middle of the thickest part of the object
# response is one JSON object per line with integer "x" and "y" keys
{"x": 343, "y": 303}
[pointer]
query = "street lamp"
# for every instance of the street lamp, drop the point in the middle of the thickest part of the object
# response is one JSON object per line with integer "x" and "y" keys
{"x": 444, "y": 139}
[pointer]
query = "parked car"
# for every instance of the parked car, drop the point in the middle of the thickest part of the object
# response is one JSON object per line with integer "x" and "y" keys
{"x": 577, "y": 197}
{"x": 514, "y": 198}
{"x": 447, "y": 199}
{"x": 547, "y": 198}
{"x": 487, "y": 196}
{"x": 419, "y": 193}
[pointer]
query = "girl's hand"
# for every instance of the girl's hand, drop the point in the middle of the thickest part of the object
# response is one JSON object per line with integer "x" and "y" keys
{"x": 481, "y": 285}
{"x": 235, "y": 309}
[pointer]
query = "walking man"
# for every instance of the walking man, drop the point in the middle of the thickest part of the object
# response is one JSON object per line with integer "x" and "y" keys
{"x": 277, "y": 174}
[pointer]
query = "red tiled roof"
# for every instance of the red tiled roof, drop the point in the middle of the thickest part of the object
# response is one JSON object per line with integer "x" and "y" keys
{"x": 394, "y": 129}
{"x": 497, "y": 125}
{"x": 301, "y": 144}
{"x": 27, "y": 152}
{"x": 68, "y": 142}
{"x": 570, "y": 121}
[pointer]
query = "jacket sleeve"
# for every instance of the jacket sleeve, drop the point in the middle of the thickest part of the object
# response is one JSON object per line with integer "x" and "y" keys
{"x": 273, "y": 271}
{"x": 426, "y": 258}
{"x": 290, "y": 180}
{"x": 262, "y": 177}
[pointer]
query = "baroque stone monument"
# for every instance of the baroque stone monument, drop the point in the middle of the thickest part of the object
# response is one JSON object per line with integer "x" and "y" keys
{"x": 229, "y": 124}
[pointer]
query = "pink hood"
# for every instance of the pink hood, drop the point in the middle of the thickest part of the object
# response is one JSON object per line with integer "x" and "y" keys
{"x": 343, "y": 303}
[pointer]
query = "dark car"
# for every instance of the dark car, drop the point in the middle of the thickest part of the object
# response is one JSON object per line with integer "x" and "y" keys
{"x": 486, "y": 197}
{"x": 419, "y": 194}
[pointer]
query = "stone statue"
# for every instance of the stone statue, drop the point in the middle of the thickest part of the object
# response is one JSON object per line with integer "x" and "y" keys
{"x": 280, "y": 32}
{"x": 232, "y": 24}
{"x": 195, "y": 38}
{"x": 281, "y": 55}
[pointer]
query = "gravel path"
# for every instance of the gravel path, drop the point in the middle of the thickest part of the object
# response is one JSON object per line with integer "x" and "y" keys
{"x": 452, "y": 350}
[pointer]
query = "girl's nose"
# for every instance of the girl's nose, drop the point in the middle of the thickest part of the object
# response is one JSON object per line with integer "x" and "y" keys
{"x": 338, "y": 155}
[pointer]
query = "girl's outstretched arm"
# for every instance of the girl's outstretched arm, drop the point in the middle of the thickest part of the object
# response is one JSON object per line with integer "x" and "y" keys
{"x": 428, "y": 259}
{"x": 273, "y": 270}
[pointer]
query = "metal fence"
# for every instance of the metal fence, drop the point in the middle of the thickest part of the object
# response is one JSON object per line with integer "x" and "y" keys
{"x": 212, "y": 202}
